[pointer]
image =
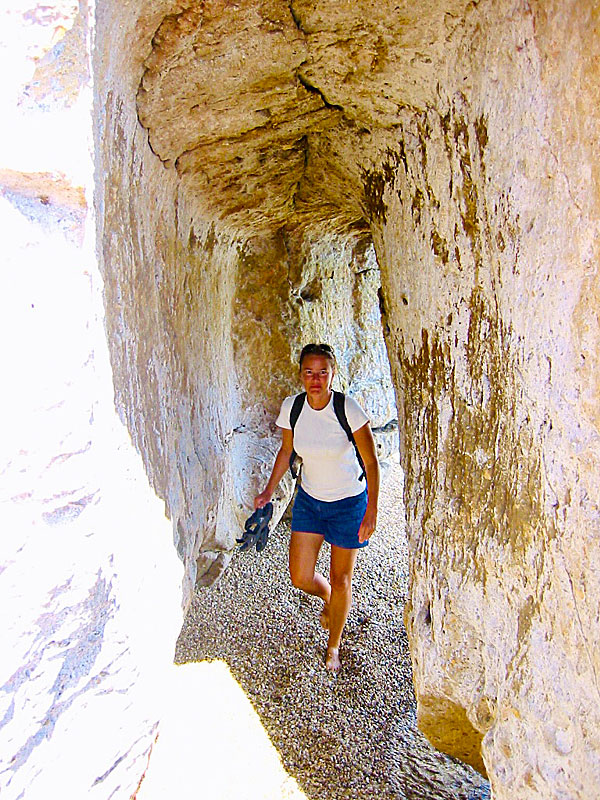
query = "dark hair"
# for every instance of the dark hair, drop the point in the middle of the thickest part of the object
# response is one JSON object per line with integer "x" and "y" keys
{"x": 318, "y": 350}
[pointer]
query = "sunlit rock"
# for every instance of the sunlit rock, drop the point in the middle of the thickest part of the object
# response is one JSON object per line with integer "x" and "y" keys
{"x": 457, "y": 143}
{"x": 271, "y": 173}
{"x": 90, "y": 586}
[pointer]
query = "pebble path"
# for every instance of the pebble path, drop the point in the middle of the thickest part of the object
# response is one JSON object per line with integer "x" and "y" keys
{"x": 353, "y": 735}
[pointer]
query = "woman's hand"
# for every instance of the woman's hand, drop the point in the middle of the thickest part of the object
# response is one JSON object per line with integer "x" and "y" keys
{"x": 279, "y": 468}
{"x": 262, "y": 499}
{"x": 366, "y": 447}
{"x": 367, "y": 526}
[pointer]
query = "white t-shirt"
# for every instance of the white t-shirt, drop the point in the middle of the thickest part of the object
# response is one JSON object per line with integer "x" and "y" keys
{"x": 330, "y": 470}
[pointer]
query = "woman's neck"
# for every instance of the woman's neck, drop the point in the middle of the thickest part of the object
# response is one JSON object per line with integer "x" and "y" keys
{"x": 318, "y": 403}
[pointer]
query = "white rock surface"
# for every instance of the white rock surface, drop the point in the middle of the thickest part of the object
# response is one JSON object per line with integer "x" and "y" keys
{"x": 90, "y": 585}
{"x": 248, "y": 155}
{"x": 461, "y": 141}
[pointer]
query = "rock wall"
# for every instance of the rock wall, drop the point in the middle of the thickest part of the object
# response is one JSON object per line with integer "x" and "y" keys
{"x": 492, "y": 325}
{"x": 206, "y": 319}
{"x": 260, "y": 169}
{"x": 89, "y": 582}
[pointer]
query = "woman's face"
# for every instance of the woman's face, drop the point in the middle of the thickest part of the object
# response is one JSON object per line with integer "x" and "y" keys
{"x": 316, "y": 374}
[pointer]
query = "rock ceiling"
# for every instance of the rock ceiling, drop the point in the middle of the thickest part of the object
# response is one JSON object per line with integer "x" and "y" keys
{"x": 251, "y": 101}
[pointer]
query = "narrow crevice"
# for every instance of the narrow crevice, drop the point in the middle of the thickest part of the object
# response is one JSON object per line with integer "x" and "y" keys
{"x": 366, "y": 269}
{"x": 302, "y": 79}
{"x": 315, "y": 90}
{"x": 165, "y": 161}
{"x": 296, "y": 18}
{"x": 389, "y": 427}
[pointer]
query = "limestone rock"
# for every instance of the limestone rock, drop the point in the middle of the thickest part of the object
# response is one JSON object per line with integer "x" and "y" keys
{"x": 490, "y": 208}
{"x": 254, "y": 161}
{"x": 89, "y": 582}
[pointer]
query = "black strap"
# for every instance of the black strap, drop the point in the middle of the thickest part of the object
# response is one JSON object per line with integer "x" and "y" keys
{"x": 294, "y": 414}
{"x": 339, "y": 407}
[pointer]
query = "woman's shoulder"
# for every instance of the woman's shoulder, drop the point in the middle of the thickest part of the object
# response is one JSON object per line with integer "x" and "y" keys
{"x": 288, "y": 402}
{"x": 283, "y": 420}
{"x": 351, "y": 403}
{"x": 355, "y": 414}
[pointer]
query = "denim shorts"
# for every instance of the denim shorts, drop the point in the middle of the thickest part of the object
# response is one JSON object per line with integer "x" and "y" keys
{"x": 337, "y": 521}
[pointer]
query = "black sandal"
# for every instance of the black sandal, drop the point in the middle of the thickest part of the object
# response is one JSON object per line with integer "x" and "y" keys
{"x": 256, "y": 529}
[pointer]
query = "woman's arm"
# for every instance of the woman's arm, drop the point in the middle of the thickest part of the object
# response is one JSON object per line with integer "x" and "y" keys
{"x": 366, "y": 447}
{"x": 282, "y": 462}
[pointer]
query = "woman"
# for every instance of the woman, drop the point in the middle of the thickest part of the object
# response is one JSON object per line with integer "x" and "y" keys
{"x": 333, "y": 504}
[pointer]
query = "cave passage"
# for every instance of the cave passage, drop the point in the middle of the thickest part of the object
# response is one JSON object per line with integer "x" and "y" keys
{"x": 269, "y": 176}
{"x": 351, "y": 736}
{"x": 411, "y": 182}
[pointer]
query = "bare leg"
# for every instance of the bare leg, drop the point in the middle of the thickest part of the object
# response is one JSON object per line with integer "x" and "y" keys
{"x": 304, "y": 551}
{"x": 324, "y": 617}
{"x": 342, "y": 567}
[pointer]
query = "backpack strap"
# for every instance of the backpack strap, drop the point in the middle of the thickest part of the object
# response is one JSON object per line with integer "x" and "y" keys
{"x": 297, "y": 407}
{"x": 339, "y": 406}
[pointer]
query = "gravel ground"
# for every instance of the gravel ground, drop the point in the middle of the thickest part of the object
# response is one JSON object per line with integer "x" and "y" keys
{"x": 353, "y": 735}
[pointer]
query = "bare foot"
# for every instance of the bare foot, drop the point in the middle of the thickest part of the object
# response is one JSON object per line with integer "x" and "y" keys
{"x": 332, "y": 659}
{"x": 324, "y": 617}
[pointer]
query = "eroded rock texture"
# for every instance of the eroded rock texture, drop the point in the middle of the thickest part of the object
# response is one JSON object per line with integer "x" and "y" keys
{"x": 491, "y": 339}
{"x": 89, "y": 583}
{"x": 209, "y": 319}
{"x": 262, "y": 168}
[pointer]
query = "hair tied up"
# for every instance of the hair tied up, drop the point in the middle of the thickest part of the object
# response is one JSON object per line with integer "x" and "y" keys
{"x": 317, "y": 350}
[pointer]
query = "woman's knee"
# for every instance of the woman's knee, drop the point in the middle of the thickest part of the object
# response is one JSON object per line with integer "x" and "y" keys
{"x": 301, "y": 579}
{"x": 341, "y": 582}
{"x": 304, "y": 551}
